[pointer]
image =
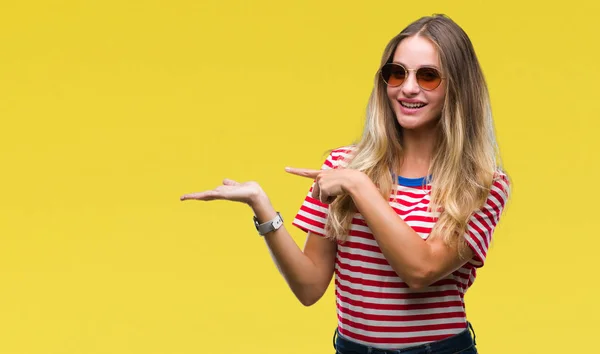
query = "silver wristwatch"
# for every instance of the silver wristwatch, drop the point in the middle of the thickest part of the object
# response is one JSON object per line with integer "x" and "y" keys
{"x": 268, "y": 226}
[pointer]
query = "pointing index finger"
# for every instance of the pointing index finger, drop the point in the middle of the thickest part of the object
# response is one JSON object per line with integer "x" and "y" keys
{"x": 304, "y": 172}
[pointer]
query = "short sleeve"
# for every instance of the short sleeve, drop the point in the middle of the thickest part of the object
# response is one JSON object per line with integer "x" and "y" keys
{"x": 482, "y": 223}
{"x": 313, "y": 214}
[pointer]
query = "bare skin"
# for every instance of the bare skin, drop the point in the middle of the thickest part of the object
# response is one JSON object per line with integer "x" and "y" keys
{"x": 307, "y": 272}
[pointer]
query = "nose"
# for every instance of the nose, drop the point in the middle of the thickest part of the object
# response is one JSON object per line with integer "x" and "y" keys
{"x": 410, "y": 87}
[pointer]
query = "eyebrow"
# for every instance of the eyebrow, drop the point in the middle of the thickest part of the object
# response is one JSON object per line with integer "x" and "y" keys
{"x": 422, "y": 66}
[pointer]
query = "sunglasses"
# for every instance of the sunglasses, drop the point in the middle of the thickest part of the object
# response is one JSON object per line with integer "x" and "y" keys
{"x": 394, "y": 75}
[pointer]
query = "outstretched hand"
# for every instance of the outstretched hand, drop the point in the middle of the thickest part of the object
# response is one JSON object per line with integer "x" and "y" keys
{"x": 230, "y": 190}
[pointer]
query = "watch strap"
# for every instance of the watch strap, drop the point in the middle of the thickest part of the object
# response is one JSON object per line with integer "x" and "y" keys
{"x": 268, "y": 226}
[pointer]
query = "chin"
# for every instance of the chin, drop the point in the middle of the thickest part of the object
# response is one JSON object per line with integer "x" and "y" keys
{"x": 416, "y": 123}
{"x": 410, "y": 122}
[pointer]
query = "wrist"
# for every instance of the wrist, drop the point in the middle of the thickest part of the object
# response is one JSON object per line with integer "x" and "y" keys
{"x": 261, "y": 206}
{"x": 258, "y": 198}
{"x": 355, "y": 183}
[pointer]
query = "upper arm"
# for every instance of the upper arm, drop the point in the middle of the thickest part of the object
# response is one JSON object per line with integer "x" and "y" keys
{"x": 311, "y": 218}
{"x": 482, "y": 223}
{"x": 321, "y": 251}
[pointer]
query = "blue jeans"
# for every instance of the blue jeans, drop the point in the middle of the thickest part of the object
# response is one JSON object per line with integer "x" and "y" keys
{"x": 461, "y": 343}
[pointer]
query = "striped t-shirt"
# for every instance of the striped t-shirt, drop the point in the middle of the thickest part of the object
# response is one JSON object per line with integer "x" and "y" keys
{"x": 374, "y": 306}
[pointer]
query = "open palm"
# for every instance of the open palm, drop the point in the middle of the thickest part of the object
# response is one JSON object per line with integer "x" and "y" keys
{"x": 229, "y": 190}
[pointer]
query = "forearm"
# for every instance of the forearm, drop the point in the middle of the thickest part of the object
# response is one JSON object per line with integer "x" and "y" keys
{"x": 299, "y": 271}
{"x": 407, "y": 253}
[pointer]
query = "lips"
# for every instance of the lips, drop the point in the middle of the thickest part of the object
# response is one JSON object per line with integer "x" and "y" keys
{"x": 412, "y": 105}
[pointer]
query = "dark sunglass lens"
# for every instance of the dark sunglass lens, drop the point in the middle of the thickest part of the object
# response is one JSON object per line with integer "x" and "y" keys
{"x": 393, "y": 75}
{"x": 428, "y": 78}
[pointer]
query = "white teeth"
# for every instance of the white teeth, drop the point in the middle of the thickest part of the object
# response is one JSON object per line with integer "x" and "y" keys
{"x": 412, "y": 105}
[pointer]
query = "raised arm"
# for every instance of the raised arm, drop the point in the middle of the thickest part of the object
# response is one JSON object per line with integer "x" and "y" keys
{"x": 308, "y": 272}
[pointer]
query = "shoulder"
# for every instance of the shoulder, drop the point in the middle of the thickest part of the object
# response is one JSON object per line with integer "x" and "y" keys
{"x": 500, "y": 188}
{"x": 501, "y": 181}
{"x": 339, "y": 157}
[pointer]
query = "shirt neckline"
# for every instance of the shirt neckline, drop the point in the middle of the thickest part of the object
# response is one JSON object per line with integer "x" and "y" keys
{"x": 413, "y": 182}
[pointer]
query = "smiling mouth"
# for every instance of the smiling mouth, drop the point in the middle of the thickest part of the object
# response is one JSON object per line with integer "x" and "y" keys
{"x": 412, "y": 105}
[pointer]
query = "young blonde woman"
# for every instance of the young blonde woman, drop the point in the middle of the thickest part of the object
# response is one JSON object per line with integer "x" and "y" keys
{"x": 403, "y": 217}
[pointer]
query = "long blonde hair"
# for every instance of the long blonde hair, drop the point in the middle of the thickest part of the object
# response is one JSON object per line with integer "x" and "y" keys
{"x": 465, "y": 158}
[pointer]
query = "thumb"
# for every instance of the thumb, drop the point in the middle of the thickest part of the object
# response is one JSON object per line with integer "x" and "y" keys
{"x": 230, "y": 182}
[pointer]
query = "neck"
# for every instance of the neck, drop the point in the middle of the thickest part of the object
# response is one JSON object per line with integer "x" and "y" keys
{"x": 418, "y": 151}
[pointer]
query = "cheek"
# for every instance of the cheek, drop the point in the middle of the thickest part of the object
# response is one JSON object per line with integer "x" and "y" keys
{"x": 437, "y": 98}
{"x": 391, "y": 94}
{"x": 436, "y": 103}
